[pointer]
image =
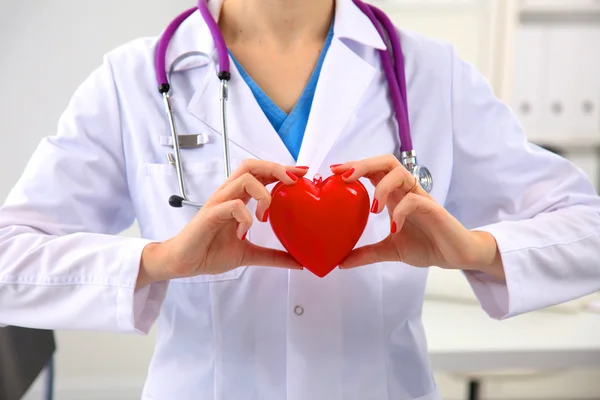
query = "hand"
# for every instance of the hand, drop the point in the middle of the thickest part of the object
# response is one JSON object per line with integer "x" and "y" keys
{"x": 422, "y": 232}
{"x": 214, "y": 242}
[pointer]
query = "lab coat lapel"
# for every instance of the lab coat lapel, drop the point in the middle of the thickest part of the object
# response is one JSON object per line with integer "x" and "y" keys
{"x": 248, "y": 127}
{"x": 344, "y": 79}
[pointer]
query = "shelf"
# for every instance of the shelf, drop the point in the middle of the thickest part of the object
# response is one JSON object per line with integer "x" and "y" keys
{"x": 474, "y": 331}
{"x": 591, "y": 141}
{"x": 558, "y": 6}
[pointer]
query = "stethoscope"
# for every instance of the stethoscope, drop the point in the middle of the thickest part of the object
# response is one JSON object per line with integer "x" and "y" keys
{"x": 393, "y": 69}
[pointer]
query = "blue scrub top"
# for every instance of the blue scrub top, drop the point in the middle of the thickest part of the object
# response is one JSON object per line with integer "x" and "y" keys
{"x": 290, "y": 127}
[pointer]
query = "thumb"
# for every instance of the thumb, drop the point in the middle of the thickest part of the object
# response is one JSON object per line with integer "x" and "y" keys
{"x": 262, "y": 256}
{"x": 371, "y": 254}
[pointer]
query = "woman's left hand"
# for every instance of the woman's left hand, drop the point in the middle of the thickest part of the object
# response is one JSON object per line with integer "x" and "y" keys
{"x": 422, "y": 232}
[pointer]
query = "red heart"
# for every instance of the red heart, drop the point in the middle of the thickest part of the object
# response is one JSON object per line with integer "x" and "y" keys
{"x": 319, "y": 222}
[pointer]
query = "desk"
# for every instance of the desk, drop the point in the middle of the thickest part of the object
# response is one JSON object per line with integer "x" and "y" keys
{"x": 463, "y": 339}
{"x": 549, "y": 359}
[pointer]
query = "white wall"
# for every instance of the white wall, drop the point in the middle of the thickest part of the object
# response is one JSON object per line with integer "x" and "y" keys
{"x": 48, "y": 47}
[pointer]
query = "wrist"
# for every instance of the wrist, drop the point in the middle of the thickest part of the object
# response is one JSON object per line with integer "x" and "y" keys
{"x": 488, "y": 258}
{"x": 152, "y": 265}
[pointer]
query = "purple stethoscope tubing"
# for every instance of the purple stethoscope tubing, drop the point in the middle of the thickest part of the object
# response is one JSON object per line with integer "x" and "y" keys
{"x": 392, "y": 61}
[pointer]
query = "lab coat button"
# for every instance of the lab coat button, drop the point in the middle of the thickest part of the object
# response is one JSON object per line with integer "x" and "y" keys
{"x": 298, "y": 310}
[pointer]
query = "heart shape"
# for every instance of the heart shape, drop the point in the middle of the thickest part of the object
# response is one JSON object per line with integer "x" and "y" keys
{"x": 319, "y": 222}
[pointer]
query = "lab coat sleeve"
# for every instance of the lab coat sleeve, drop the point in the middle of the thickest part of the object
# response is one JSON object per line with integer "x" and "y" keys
{"x": 62, "y": 265}
{"x": 542, "y": 210}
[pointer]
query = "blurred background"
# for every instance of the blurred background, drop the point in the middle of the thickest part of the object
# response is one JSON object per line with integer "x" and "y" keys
{"x": 541, "y": 56}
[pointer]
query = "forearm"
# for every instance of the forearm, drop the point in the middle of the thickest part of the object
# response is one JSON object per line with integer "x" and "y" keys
{"x": 78, "y": 281}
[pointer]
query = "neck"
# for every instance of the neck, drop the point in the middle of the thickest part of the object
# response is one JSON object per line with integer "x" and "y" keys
{"x": 281, "y": 22}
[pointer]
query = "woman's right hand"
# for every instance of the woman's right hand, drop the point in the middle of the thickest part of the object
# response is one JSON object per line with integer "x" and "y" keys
{"x": 214, "y": 242}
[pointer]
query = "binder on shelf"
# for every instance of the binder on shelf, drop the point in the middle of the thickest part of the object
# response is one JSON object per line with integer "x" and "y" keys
{"x": 558, "y": 93}
{"x": 586, "y": 89}
{"x": 530, "y": 76}
{"x": 574, "y": 81}
{"x": 569, "y": 61}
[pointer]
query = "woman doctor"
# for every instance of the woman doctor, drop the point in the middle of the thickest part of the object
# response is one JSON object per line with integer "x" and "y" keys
{"x": 237, "y": 317}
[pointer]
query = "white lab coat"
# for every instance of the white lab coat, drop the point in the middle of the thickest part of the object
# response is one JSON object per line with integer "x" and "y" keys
{"x": 271, "y": 334}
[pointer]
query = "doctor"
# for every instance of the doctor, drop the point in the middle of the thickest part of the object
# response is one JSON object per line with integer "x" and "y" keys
{"x": 237, "y": 317}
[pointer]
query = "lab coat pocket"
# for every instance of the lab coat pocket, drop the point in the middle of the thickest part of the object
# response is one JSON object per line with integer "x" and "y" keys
{"x": 201, "y": 179}
{"x": 159, "y": 221}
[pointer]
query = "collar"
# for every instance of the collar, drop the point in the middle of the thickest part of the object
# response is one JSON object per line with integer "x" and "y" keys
{"x": 352, "y": 24}
{"x": 193, "y": 36}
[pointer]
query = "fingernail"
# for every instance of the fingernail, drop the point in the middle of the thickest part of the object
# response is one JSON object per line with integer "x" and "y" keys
{"x": 348, "y": 173}
{"x": 302, "y": 167}
{"x": 375, "y": 206}
{"x": 334, "y": 165}
{"x": 394, "y": 227}
{"x": 265, "y": 215}
{"x": 292, "y": 176}
{"x": 244, "y": 236}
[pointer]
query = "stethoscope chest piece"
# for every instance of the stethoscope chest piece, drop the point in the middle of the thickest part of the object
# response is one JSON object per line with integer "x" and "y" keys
{"x": 423, "y": 177}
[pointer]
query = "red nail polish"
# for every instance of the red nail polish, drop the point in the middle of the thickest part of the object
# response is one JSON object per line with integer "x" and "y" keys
{"x": 375, "y": 206}
{"x": 302, "y": 167}
{"x": 244, "y": 236}
{"x": 334, "y": 165}
{"x": 265, "y": 215}
{"x": 394, "y": 227}
{"x": 348, "y": 173}
{"x": 294, "y": 177}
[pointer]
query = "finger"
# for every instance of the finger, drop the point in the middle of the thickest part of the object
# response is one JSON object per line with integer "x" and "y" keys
{"x": 368, "y": 167}
{"x": 385, "y": 250}
{"x": 338, "y": 169}
{"x": 371, "y": 254}
{"x": 262, "y": 256}
{"x": 268, "y": 172}
{"x": 237, "y": 210}
{"x": 413, "y": 204}
{"x": 300, "y": 169}
{"x": 374, "y": 177}
{"x": 398, "y": 181}
{"x": 293, "y": 172}
{"x": 246, "y": 187}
